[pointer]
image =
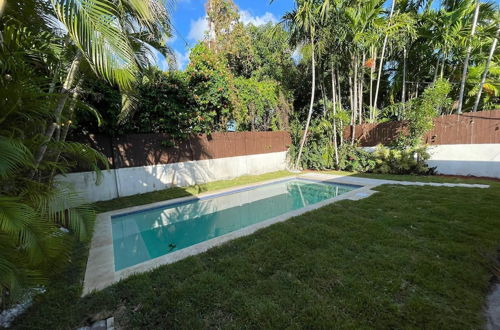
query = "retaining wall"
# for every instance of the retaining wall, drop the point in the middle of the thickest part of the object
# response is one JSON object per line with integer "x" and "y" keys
{"x": 142, "y": 164}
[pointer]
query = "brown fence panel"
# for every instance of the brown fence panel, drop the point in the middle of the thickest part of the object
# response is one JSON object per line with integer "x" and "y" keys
{"x": 373, "y": 134}
{"x": 468, "y": 128}
{"x": 150, "y": 149}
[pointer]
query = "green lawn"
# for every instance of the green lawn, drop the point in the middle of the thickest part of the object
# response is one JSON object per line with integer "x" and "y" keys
{"x": 407, "y": 257}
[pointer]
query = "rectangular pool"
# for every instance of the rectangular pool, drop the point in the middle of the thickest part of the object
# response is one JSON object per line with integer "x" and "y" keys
{"x": 147, "y": 234}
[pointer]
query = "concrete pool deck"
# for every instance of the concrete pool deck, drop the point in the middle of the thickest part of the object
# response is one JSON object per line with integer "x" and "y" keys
{"x": 100, "y": 271}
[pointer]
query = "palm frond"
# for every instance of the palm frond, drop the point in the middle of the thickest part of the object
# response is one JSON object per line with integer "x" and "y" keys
{"x": 95, "y": 28}
{"x": 14, "y": 155}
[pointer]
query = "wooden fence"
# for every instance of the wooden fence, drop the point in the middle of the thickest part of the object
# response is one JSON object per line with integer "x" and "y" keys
{"x": 151, "y": 149}
{"x": 467, "y": 128}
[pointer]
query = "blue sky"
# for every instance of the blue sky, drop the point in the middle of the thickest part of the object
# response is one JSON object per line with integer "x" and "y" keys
{"x": 189, "y": 22}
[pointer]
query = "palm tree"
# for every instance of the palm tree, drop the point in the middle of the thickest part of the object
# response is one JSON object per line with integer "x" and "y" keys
{"x": 467, "y": 56}
{"x": 381, "y": 62}
{"x": 39, "y": 218}
{"x": 111, "y": 37}
{"x": 303, "y": 23}
{"x": 486, "y": 68}
{"x": 33, "y": 211}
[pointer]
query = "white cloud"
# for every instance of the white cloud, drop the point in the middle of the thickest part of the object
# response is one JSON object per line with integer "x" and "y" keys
{"x": 200, "y": 26}
{"x": 198, "y": 29}
{"x": 182, "y": 59}
{"x": 247, "y": 18}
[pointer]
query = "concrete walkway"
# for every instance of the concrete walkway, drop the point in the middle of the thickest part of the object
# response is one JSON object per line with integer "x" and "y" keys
{"x": 493, "y": 309}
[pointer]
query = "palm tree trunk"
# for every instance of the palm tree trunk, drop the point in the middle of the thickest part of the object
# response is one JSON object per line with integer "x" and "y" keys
{"x": 437, "y": 69}
{"x": 372, "y": 71}
{"x": 341, "y": 126}
{"x": 67, "y": 125}
{"x": 355, "y": 90}
{"x": 403, "y": 88}
{"x": 467, "y": 56}
{"x": 441, "y": 74}
{"x": 485, "y": 73}
{"x": 334, "y": 96}
{"x": 65, "y": 90}
{"x": 381, "y": 64}
{"x": 313, "y": 88}
{"x": 360, "y": 93}
{"x": 352, "y": 97}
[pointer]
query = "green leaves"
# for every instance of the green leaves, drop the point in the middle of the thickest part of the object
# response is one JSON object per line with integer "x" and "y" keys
{"x": 95, "y": 28}
{"x": 14, "y": 155}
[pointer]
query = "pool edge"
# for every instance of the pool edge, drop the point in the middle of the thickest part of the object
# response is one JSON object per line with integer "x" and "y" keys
{"x": 100, "y": 271}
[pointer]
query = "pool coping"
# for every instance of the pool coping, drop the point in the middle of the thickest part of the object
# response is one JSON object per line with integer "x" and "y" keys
{"x": 100, "y": 271}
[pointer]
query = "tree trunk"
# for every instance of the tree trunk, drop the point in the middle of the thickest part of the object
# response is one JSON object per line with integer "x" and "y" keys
{"x": 67, "y": 125}
{"x": 403, "y": 88}
{"x": 441, "y": 74}
{"x": 437, "y": 70}
{"x": 313, "y": 88}
{"x": 372, "y": 71}
{"x": 381, "y": 64}
{"x": 68, "y": 83}
{"x": 360, "y": 92}
{"x": 466, "y": 62}
{"x": 485, "y": 73}
{"x": 355, "y": 90}
{"x": 340, "y": 108}
{"x": 334, "y": 96}
{"x": 351, "y": 94}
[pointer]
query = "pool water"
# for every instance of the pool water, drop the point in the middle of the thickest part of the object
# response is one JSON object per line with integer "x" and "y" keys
{"x": 146, "y": 234}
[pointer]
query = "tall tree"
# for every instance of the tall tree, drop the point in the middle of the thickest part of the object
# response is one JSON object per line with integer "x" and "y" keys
{"x": 486, "y": 68}
{"x": 467, "y": 56}
{"x": 381, "y": 61}
{"x": 303, "y": 23}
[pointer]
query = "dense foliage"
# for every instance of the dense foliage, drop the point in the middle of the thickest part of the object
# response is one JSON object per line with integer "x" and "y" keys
{"x": 48, "y": 49}
{"x": 201, "y": 99}
{"x": 406, "y": 155}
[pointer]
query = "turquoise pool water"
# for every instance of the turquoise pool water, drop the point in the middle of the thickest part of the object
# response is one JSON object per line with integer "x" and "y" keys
{"x": 150, "y": 233}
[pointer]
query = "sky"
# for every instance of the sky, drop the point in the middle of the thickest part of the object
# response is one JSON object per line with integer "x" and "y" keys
{"x": 189, "y": 23}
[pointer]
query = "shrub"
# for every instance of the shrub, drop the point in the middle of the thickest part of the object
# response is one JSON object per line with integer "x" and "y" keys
{"x": 420, "y": 112}
{"x": 355, "y": 159}
{"x": 401, "y": 161}
{"x": 212, "y": 85}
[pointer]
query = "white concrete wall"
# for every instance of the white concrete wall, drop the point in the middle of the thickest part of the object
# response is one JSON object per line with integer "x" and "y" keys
{"x": 143, "y": 179}
{"x": 464, "y": 159}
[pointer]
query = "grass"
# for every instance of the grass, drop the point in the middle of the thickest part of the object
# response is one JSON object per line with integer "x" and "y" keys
{"x": 407, "y": 257}
{"x": 414, "y": 178}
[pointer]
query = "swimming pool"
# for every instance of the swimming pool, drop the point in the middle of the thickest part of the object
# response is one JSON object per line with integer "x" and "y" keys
{"x": 146, "y": 234}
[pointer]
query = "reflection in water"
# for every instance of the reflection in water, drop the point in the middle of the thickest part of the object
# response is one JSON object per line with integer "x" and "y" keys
{"x": 151, "y": 233}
